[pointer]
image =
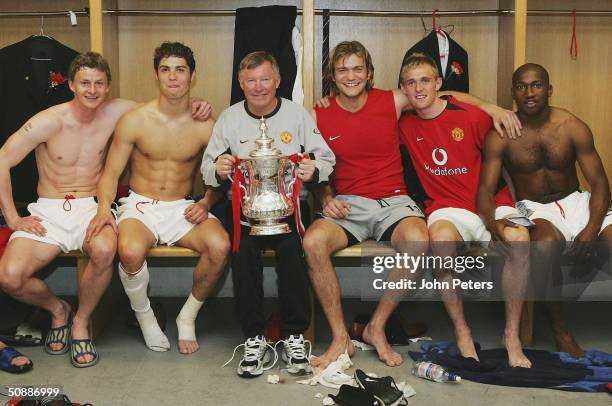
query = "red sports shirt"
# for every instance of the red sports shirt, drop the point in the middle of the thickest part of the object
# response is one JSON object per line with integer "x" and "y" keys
{"x": 447, "y": 155}
{"x": 366, "y": 144}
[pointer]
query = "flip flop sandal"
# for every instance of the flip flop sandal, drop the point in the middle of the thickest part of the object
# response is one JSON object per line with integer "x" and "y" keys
{"x": 352, "y": 396}
{"x": 384, "y": 389}
{"x": 7, "y": 355}
{"x": 58, "y": 335}
{"x": 79, "y": 348}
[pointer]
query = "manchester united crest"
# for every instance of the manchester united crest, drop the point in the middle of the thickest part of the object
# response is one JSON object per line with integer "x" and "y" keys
{"x": 286, "y": 137}
{"x": 457, "y": 134}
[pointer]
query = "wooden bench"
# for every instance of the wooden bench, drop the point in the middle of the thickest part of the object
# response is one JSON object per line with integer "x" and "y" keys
{"x": 351, "y": 255}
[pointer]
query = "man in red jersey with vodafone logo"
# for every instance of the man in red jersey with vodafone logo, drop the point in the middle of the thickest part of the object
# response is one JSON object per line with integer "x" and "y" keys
{"x": 367, "y": 198}
{"x": 445, "y": 139}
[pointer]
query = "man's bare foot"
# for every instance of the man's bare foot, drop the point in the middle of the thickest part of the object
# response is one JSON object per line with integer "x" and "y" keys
{"x": 17, "y": 361}
{"x": 187, "y": 342}
{"x": 336, "y": 348}
{"x": 566, "y": 343}
{"x": 188, "y": 346}
{"x": 516, "y": 357}
{"x": 59, "y": 318}
{"x": 465, "y": 343}
{"x": 376, "y": 337}
{"x": 79, "y": 332}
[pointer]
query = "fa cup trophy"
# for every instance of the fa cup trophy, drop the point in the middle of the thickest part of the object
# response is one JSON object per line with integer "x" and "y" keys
{"x": 260, "y": 181}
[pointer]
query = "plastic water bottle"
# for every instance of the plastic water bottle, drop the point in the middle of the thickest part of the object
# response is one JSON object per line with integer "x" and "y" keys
{"x": 434, "y": 372}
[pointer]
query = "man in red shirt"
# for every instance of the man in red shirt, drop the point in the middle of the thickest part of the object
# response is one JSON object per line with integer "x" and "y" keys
{"x": 445, "y": 139}
{"x": 368, "y": 198}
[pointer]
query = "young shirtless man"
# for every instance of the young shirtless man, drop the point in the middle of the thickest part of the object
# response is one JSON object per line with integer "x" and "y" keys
{"x": 360, "y": 126}
{"x": 71, "y": 141}
{"x": 163, "y": 145}
{"x": 542, "y": 165}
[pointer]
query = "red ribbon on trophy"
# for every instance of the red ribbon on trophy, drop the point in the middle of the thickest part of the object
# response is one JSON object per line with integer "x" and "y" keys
{"x": 297, "y": 188}
{"x": 237, "y": 196}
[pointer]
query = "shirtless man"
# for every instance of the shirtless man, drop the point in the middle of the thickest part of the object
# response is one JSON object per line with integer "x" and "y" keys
{"x": 368, "y": 184}
{"x": 542, "y": 167}
{"x": 164, "y": 146}
{"x": 71, "y": 141}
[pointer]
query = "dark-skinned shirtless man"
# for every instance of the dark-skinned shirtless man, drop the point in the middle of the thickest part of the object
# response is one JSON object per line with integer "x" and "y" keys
{"x": 542, "y": 166}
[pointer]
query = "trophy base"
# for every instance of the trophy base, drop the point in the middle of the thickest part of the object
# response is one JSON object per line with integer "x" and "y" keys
{"x": 270, "y": 229}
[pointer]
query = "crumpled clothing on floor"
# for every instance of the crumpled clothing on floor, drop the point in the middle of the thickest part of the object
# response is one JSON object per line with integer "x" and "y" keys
{"x": 554, "y": 370}
{"x": 333, "y": 376}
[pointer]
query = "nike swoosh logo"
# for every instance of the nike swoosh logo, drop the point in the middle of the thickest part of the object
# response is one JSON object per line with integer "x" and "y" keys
{"x": 242, "y": 142}
{"x": 419, "y": 139}
{"x": 333, "y": 138}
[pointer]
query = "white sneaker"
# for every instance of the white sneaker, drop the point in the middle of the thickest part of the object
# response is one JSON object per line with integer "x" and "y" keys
{"x": 295, "y": 356}
{"x": 257, "y": 357}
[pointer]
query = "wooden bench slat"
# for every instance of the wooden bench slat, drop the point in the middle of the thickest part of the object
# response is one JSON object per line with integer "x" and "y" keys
{"x": 355, "y": 251}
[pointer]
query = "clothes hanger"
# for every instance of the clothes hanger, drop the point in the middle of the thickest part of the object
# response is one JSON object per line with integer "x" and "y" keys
{"x": 439, "y": 29}
{"x": 41, "y": 35}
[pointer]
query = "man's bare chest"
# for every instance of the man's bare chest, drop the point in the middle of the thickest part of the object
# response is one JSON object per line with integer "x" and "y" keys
{"x": 178, "y": 144}
{"x": 78, "y": 146}
{"x": 534, "y": 151}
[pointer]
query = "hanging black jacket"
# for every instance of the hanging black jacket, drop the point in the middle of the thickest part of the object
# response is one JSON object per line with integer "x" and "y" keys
{"x": 25, "y": 89}
{"x": 457, "y": 78}
{"x": 269, "y": 29}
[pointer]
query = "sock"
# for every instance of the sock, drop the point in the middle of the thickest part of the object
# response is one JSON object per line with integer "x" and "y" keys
{"x": 185, "y": 321}
{"x": 135, "y": 286}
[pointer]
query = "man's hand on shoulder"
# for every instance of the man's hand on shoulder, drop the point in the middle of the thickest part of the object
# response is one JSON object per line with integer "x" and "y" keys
{"x": 506, "y": 122}
{"x": 196, "y": 213}
{"x": 201, "y": 110}
{"x": 322, "y": 103}
{"x": 30, "y": 224}
{"x": 335, "y": 208}
{"x": 101, "y": 220}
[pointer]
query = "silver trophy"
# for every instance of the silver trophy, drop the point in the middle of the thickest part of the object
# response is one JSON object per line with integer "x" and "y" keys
{"x": 266, "y": 203}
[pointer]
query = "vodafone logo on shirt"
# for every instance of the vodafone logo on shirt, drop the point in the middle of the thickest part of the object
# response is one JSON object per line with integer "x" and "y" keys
{"x": 440, "y": 157}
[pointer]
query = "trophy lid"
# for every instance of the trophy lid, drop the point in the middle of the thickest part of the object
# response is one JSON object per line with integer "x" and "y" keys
{"x": 264, "y": 144}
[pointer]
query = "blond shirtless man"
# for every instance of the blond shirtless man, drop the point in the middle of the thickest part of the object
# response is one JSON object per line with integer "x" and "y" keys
{"x": 164, "y": 147}
{"x": 70, "y": 141}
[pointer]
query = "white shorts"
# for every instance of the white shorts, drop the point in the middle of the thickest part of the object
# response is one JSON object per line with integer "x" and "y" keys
{"x": 66, "y": 221}
{"x": 166, "y": 220}
{"x": 569, "y": 215}
{"x": 469, "y": 225}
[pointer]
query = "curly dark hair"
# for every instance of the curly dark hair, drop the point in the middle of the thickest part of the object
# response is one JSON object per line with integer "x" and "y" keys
{"x": 178, "y": 49}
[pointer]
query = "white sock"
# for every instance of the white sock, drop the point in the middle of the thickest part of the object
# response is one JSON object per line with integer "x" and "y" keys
{"x": 185, "y": 321}
{"x": 135, "y": 286}
{"x": 154, "y": 337}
